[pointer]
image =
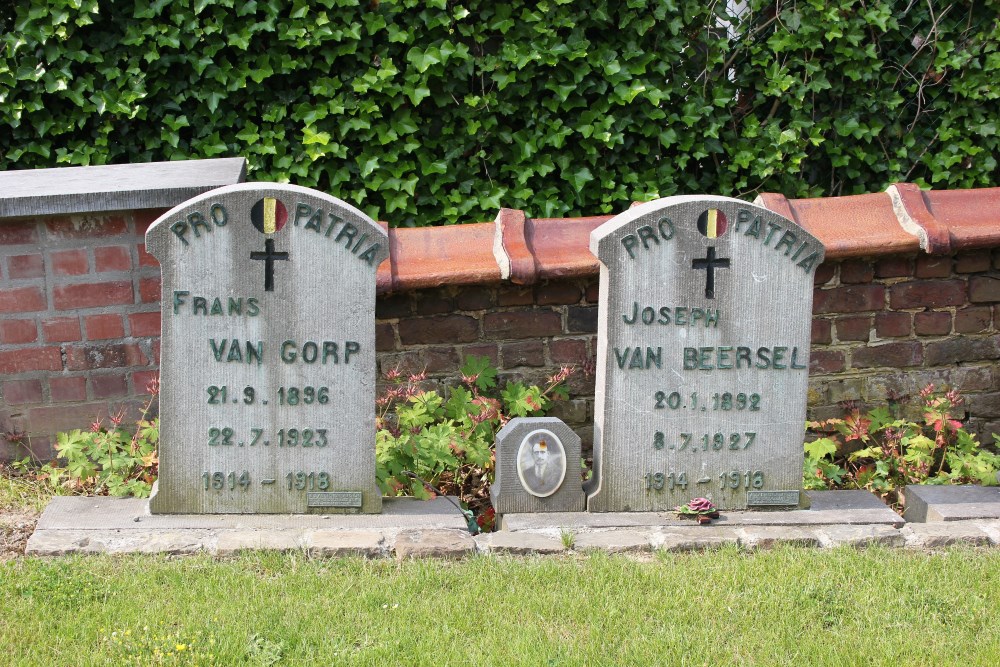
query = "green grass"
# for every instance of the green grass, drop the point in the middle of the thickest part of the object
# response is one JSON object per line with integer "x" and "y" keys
{"x": 784, "y": 607}
{"x": 19, "y": 494}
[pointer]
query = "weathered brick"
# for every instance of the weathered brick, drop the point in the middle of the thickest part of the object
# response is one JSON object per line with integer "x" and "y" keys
{"x": 92, "y": 295}
{"x": 826, "y": 361}
{"x": 18, "y": 233}
{"x": 146, "y": 217}
{"x": 892, "y": 325}
{"x": 855, "y": 272}
{"x": 441, "y": 360}
{"x": 824, "y": 273}
{"x": 69, "y": 262}
{"x": 854, "y": 328}
{"x": 102, "y": 327}
{"x": 895, "y": 355}
{"x": 525, "y": 353}
{"x": 144, "y": 381}
{"x": 973, "y": 320}
{"x": 962, "y": 348}
{"x": 894, "y": 267}
{"x": 14, "y": 332}
{"x": 32, "y": 359}
{"x": 146, "y": 324}
{"x": 581, "y": 319}
{"x": 474, "y": 298}
{"x": 26, "y": 266}
{"x": 145, "y": 259}
{"x": 932, "y": 267}
{"x": 61, "y": 329}
{"x": 822, "y": 332}
{"x": 984, "y": 289}
{"x": 440, "y": 329}
{"x": 935, "y": 323}
{"x": 515, "y": 296}
{"x": 557, "y": 294}
{"x": 406, "y": 363}
{"x": 55, "y": 418}
{"x": 22, "y": 300}
{"x": 85, "y": 226}
{"x": 67, "y": 389}
{"x": 116, "y": 355}
{"x": 985, "y": 406}
{"x": 927, "y": 294}
{"x": 593, "y": 294}
{"x": 21, "y": 392}
{"x": 109, "y": 386}
{"x": 973, "y": 262}
{"x": 568, "y": 351}
{"x": 385, "y": 337}
{"x": 434, "y": 305}
{"x": 522, "y": 324}
{"x": 389, "y": 307}
{"x": 853, "y": 299}
{"x": 112, "y": 258}
{"x": 489, "y": 350}
{"x": 149, "y": 290}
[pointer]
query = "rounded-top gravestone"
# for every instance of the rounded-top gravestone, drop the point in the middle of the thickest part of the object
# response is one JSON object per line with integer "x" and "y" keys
{"x": 702, "y": 358}
{"x": 267, "y": 371}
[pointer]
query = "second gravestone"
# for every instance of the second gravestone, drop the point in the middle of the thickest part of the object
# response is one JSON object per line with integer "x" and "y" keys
{"x": 267, "y": 371}
{"x": 703, "y": 353}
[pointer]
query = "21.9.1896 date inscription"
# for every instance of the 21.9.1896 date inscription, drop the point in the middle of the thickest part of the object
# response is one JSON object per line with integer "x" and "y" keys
{"x": 221, "y": 395}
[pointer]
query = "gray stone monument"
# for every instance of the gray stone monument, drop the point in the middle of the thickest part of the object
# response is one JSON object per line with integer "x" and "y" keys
{"x": 702, "y": 355}
{"x": 537, "y": 467}
{"x": 267, "y": 370}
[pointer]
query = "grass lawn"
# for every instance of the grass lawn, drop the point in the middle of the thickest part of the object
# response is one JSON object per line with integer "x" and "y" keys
{"x": 783, "y": 607}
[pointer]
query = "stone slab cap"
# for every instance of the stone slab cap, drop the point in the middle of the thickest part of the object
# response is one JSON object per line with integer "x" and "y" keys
{"x": 950, "y": 220}
{"x": 853, "y": 226}
{"x": 115, "y": 187}
{"x": 510, "y": 248}
{"x": 929, "y": 503}
{"x": 518, "y": 486}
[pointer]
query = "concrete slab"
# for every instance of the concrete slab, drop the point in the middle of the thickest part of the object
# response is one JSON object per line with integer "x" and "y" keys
{"x": 860, "y": 536}
{"x": 926, "y": 503}
{"x": 434, "y": 544}
{"x": 768, "y": 537}
{"x": 614, "y": 541}
{"x": 73, "y": 524}
{"x": 694, "y": 538}
{"x": 519, "y": 543}
{"x": 944, "y": 534}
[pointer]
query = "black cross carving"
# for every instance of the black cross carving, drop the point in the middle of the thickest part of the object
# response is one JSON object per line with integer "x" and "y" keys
{"x": 710, "y": 264}
{"x": 269, "y": 255}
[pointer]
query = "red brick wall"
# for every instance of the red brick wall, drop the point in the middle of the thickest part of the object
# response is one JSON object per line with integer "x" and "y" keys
{"x": 79, "y": 329}
{"x": 79, "y": 323}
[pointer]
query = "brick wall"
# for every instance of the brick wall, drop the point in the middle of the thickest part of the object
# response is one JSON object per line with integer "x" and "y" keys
{"x": 79, "y": 322}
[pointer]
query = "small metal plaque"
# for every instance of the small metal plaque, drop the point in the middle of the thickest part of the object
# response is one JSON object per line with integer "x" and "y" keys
{"x": 334, "y": 499}
{"x": 772, "y": 498}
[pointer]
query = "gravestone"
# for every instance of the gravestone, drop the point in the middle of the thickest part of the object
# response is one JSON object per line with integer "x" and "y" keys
{"x": 267, "y": 370}
{"x": 537, "y": 467}
{"x": 702, "y": 358}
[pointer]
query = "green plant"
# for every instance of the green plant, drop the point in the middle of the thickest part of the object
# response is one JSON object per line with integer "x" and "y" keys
{"x": 104, "y": 460}
{"x": 895, "y": 452}
{"x": 435, "y": 111}
{"x": 449, "y": 441}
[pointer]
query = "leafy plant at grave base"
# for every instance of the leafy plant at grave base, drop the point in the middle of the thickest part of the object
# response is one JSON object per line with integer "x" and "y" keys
{"x": 896, "y": 452}
{"x": 440, "y": 111}
{"x": 106, "y": 460}
{"x": 449, "y": 441}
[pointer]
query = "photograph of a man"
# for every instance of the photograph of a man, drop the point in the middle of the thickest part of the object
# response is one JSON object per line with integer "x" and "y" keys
{"x": 541, "y": 463}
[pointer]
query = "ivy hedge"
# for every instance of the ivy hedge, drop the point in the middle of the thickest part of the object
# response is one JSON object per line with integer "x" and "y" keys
{"x": 441, "y": 111}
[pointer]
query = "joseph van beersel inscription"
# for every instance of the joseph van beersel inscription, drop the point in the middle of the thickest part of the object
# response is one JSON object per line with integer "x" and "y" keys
{"x": 268, "y": 353}
{"x": 703, "y": 349}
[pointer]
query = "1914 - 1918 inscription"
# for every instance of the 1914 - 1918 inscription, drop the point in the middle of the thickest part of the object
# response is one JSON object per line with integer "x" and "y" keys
{"x": 268, "y": 353}
{"x": 703, "y": 353}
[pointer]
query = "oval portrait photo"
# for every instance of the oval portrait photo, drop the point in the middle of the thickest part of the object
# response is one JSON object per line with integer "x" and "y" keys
{"x": 541, "y": 463}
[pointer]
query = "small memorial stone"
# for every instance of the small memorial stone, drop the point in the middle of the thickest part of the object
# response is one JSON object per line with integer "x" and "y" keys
{"x": 537, "y": 467}
{"x": 703, "y": 355}
{"x": 267, "y": 372}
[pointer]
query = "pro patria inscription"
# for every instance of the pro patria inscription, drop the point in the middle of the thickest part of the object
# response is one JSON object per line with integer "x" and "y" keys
{"x": 267, "y": 353}
{"x": 703, "y": 354}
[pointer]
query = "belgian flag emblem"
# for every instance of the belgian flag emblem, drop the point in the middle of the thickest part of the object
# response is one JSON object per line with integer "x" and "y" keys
{"x": 268, "y": 215}
{"x": 712, "y": 223}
